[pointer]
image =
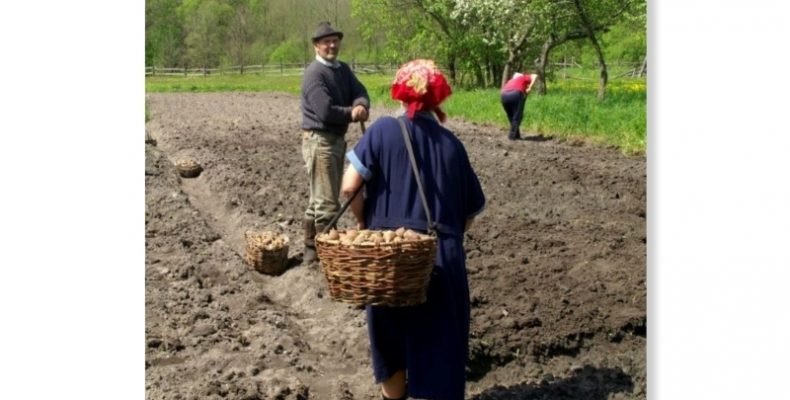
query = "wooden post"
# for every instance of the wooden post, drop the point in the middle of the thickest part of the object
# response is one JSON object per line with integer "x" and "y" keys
{"x": 643, "y": 68}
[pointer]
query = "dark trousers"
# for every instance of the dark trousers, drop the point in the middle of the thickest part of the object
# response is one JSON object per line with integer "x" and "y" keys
{"x": 513, "y": 103}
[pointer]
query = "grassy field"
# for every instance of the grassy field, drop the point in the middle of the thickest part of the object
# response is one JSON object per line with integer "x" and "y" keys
{"x": 569, "y": 110}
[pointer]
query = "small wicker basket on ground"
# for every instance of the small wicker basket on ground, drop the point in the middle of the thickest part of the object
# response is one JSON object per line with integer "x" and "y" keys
{"x": 188, "y": 168}
{"x": 266, "y": 252}
{"x": 379, "y": 270}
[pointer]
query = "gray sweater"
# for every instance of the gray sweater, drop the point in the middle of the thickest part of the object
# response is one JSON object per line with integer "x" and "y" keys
{"x": 328, "y": 95}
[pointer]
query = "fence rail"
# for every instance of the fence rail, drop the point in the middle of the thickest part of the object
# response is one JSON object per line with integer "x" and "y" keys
{"x": 266, "y": 69}
{"x": 632, "y": 69}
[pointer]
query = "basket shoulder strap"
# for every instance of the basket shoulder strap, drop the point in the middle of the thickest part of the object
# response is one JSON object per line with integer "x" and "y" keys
{"x": 407, "y": 139}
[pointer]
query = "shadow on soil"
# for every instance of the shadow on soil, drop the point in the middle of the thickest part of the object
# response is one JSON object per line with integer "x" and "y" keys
{"x": 535, "y": 138}
{"x": 586, "y": 383}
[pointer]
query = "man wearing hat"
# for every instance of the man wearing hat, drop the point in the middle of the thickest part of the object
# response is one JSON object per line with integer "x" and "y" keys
{"x": 332, "y": 98}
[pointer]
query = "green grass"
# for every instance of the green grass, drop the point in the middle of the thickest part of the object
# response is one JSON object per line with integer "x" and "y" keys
{"x": 224, "y": 83}
{"x": 569, "y": 110}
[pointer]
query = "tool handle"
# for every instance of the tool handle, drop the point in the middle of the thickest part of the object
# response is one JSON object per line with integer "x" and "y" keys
{"x": 337, "y": 216}
{"x": 332, "y": 223}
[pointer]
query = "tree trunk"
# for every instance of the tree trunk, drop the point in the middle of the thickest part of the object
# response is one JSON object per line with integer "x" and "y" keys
{"x": 543, "y": 60}
{"x": 451, "y": 68}
{"x": 540, "y": 66}
{"x": 591, "y": 34}
{"x": 496, "y": 72}
{"x": 604, "y": 73}
{"x": 479, "y": 78}
{"x": 513, "y": 55}
{"x": 508, "y": 69}
{"x": 505, "y": 74}
{"x": 491, "y": 75}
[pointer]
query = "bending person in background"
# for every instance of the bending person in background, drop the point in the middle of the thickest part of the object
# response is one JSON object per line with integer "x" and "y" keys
{"x": 332, "y": 97}
{"x": 419, "y": 351}
{"x": 514, "y": 97}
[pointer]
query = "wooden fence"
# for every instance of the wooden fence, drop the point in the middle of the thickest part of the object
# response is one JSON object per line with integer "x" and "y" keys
{"x": 624, "y": 69}
{"x": 267, "y": 69}
{"x": 621, "y": 69}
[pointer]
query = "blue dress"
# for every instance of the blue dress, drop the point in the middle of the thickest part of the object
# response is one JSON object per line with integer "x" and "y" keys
{"x": 431, "y": 340}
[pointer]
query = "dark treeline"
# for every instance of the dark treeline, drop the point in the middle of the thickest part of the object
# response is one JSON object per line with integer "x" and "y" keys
{"x": 487, "y": 39}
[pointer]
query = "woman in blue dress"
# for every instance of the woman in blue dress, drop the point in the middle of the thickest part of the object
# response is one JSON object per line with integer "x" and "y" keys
{"x": 419, "y": 351}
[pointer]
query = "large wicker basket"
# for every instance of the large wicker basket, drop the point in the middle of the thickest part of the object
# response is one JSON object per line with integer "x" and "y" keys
{"x": 266, "y": 252}
{"x": 188, "y": 168}
{"x": 377, "y": 273}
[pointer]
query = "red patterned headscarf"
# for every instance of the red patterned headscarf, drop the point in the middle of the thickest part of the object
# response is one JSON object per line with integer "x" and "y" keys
{"x": 421, "y": 86}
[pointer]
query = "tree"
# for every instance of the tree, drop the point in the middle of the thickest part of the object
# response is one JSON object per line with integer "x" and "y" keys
{"x": 414, "y": 29}
{"x": 241, "y": 35}
{"x": 558, "y": 27}
{"x": 164, "y": 33}
{"x": 206, "y": 23}
{"x": 587, "y": 24}
{"x": 579, "y": 19}
{"x": 479, "y": 42}
{"x": 289, "y": 51}
{"x": 503, "y": 26}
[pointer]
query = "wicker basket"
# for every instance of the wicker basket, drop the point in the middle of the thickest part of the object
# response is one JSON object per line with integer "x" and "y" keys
{"x": 382, "y": 273}
{"x": 188, "y": 168}
{"x": 266, "y": 252}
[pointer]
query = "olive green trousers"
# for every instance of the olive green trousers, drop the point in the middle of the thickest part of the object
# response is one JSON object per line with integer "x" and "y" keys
{"x": 323, "y": 157}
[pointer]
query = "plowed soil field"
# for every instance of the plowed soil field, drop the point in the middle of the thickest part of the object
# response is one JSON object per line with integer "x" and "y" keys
{"x": 557, "y": 264}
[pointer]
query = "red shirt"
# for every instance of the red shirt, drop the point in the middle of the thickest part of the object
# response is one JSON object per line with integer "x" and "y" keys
{"x": 519, "y": 83}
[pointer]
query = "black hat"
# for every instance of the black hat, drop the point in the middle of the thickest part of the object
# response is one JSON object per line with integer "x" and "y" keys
{"x": 325, "y": 29}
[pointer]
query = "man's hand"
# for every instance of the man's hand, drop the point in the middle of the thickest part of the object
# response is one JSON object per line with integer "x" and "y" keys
{"x": 359, "y": 113}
